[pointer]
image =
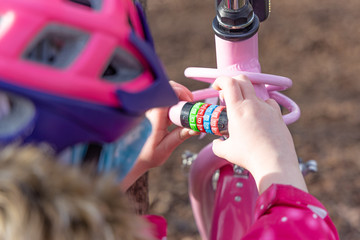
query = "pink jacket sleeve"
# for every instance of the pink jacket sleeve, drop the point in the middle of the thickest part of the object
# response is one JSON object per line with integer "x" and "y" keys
{"x": 159, "y": 226}
{"x": 285, "y": 212}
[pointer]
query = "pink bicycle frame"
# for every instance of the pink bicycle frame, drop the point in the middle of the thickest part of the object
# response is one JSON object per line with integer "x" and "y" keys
{"x": 227, "y": 212}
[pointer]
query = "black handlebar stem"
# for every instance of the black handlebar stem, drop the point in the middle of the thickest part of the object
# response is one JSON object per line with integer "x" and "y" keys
{"x": 236, "y": 24}
{"x": 261, "y": 7}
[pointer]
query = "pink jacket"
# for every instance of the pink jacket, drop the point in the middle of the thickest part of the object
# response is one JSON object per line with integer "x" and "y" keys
{"x": 282, "y": 212}
{"x": 285, "y": 212}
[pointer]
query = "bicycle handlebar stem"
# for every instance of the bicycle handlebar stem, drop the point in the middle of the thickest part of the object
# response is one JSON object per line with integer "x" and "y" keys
{"x": 235, "y": 4}
{"x": 235, "y": 20}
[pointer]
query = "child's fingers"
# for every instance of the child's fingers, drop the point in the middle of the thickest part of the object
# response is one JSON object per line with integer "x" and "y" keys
{"x": 219, "y": 148}
{"x": 230, "y": 89}
{"x": 176, "y": 137}
{"x": 273, "y": 103}
{"x": 185, "y": 133}
{"x": 182, "y": 92}
{"x": 246, "y": 87}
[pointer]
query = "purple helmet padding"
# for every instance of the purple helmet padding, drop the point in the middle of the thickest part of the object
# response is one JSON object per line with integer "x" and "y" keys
{"x": 145, "y": 25}
{"x": 63, "y": 122}
{"x": 159, "y": 94}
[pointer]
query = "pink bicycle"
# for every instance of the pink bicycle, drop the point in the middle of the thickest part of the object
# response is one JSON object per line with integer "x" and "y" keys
{"x": 218, "y": 190}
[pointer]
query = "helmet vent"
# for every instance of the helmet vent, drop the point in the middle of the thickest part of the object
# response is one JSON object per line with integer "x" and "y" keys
{"x": 19, "y": 116}
{"x": 56, "y": 46}
{"x": 93, "y": 4}
{"x": 122, "y": 67}
{"x": 1, "y": 19}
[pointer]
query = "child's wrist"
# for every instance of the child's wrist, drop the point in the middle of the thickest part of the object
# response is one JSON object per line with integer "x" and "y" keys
{"x": 287, "y": 173}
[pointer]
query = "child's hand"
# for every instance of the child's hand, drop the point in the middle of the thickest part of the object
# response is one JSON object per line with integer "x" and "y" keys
{"x": 161, "y": 142}
{"x": 258, "y": 139}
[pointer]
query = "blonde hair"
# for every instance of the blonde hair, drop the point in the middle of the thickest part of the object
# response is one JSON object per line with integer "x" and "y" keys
{"x": 41, "y": 199}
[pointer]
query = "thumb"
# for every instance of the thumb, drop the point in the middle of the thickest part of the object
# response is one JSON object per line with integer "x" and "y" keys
{"x": 176, "y": 137}
{"x": 218, "y": 148}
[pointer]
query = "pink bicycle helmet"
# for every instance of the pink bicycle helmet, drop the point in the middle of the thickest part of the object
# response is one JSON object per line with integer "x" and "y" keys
{"x": 76, "y": 71}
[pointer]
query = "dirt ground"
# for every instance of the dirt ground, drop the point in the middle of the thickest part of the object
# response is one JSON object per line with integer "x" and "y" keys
{"x": 316, "y": 44}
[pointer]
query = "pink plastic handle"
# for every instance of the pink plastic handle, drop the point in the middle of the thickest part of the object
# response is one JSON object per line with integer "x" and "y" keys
{"x": 273, "y": 84}
{"x": 289, "y": 104}
{"x": 277, "y": 83}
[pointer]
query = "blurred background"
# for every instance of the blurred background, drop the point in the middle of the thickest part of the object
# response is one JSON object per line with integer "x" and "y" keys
{"x": 316, "y": 44}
